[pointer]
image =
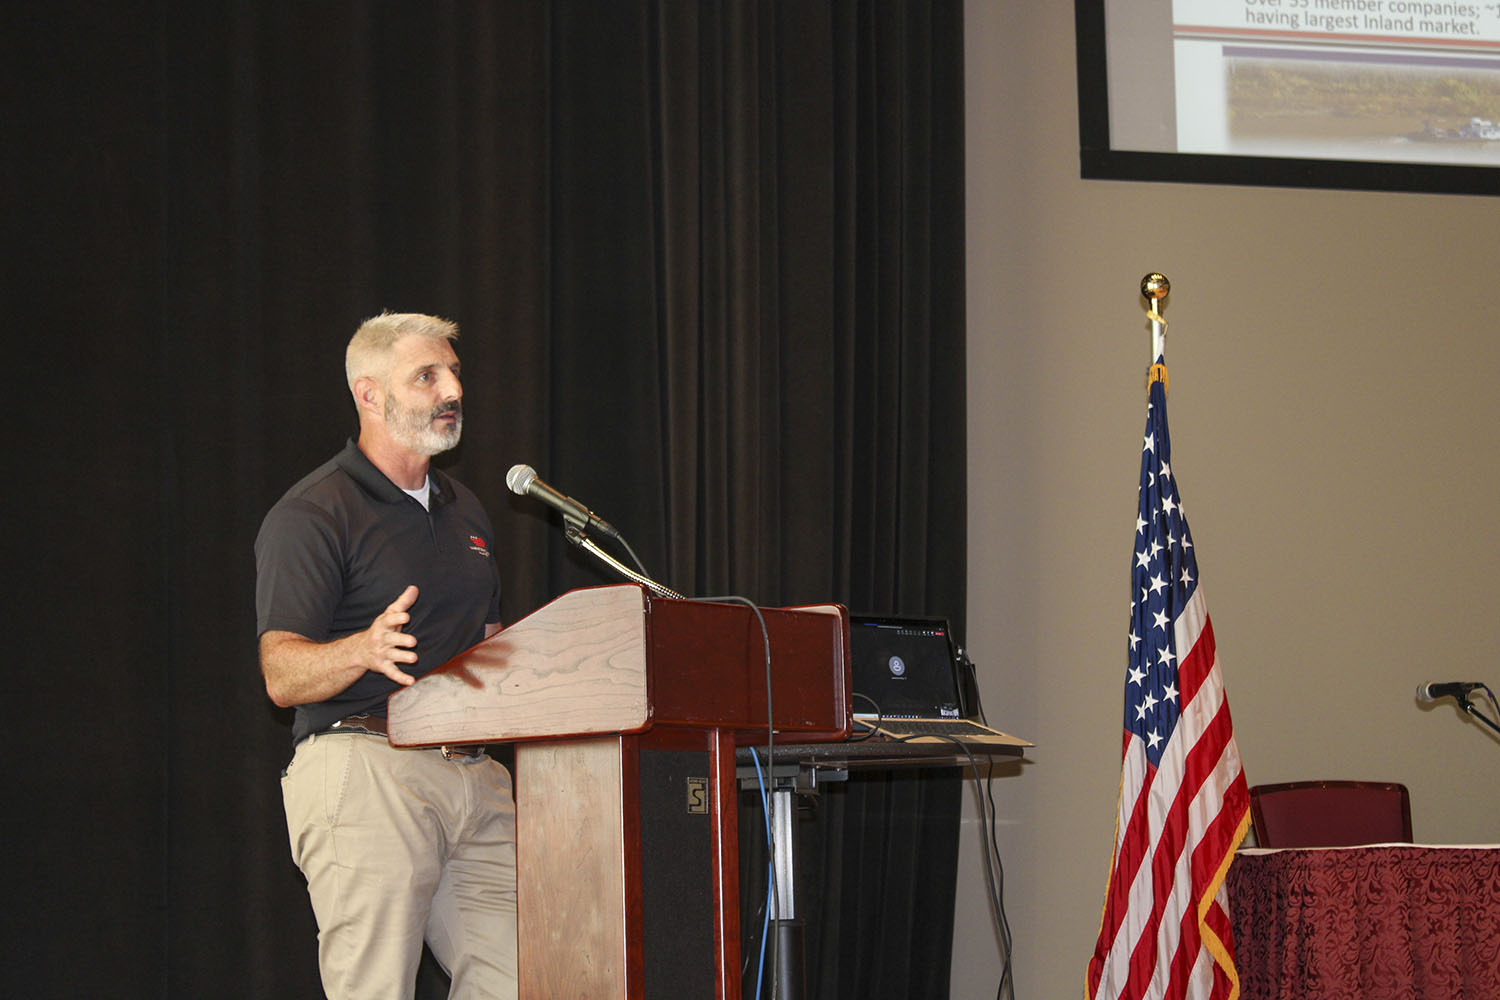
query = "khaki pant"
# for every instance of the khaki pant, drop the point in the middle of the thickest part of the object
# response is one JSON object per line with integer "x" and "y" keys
{"x": 398, "y": 847}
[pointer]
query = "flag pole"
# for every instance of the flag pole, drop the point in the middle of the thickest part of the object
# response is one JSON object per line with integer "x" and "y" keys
{"x": 1154, "y": 289}
{"x": 1184, "y": 805}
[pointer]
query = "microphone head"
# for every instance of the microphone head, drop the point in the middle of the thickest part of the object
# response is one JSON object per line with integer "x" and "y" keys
{"x": 519, "y": 478}
{"x": 1423, "y": 694}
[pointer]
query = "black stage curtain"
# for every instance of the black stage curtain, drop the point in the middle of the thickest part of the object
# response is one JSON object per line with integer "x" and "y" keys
{"x": 708, "y": 263}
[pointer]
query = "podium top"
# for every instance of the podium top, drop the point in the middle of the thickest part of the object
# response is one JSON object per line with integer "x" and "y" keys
{"x": 617, "y": 659}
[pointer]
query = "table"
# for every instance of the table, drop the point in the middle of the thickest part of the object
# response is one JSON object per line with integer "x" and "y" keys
{"x": 1365, "y": 923}
{"x": 801, "y": 768}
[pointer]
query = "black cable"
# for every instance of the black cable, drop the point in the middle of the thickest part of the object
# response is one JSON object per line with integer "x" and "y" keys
{"x": 633, "y": 557}
{"x": 745, "y": 959}
{"x": 991, "y": 849}
{"x": 1007, "y": 984}
{"x": 871, "y": 728}
{"x": 770, "y": 807}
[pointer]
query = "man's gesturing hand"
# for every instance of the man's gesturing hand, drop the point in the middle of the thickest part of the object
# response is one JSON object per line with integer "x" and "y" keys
{"x": 299, "y": 671}
{"x": 385, "y": 645}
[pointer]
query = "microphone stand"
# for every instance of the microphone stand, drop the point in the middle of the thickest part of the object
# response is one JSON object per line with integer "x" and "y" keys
{"x": 575, "y": 535}
{"x": 1468, "y": 706}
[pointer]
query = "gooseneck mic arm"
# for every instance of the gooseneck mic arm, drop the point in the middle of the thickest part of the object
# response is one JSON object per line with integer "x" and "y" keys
{"x": 581, "y": 540}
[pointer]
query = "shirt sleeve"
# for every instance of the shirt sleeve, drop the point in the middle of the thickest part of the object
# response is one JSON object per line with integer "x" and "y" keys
{"x": 298, "y": 571}
{"x": 493, "y": 618}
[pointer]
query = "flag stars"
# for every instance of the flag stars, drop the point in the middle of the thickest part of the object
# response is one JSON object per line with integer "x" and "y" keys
{"x": 1162, "y": 575}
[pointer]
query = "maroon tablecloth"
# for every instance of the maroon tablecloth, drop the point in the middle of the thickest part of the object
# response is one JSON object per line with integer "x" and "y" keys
{"x": 1367, "y": 923}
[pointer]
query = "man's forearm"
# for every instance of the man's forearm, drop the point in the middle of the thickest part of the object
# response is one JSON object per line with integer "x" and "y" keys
{"x": 299, "y": 671}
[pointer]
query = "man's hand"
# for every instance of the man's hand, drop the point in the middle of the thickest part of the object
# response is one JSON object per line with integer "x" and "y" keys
{"x": 299, "y": 671}
{"x": 385, "y": 645}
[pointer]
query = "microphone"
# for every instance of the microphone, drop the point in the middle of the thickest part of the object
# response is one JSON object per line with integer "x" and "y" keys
{"x": 1451, "y": 689}
{"x": 523, "y": 481}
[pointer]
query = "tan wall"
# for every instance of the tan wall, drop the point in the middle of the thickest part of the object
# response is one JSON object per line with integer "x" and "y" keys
{"x": 1336, "y": 434}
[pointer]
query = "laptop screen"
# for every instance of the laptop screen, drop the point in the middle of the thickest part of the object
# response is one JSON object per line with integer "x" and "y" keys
{"x": 905, "y": 665}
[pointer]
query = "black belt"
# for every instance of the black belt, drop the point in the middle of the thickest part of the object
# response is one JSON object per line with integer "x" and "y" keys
{"x": 374, "y": 725}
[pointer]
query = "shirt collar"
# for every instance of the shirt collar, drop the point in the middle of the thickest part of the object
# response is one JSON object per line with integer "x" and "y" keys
{"x": 363, "y": 471}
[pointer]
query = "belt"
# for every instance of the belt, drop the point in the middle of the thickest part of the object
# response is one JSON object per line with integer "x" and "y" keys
{"x": 374, "y": 725}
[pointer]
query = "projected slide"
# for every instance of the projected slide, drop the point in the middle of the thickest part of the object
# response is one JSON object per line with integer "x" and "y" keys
{"x": 1390, "y": 80}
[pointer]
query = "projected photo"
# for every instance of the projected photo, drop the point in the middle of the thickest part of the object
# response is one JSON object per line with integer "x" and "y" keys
{"x": 1353, "y": 109}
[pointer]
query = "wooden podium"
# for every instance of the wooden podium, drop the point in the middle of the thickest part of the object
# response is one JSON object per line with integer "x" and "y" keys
{"x": 626, "y": 710}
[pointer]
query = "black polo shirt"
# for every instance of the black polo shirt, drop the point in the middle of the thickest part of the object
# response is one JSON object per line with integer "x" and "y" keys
{"x": 343, "y": 543}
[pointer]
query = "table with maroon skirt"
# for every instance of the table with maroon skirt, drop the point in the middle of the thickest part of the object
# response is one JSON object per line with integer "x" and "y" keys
{"x": 1365, "y": 923}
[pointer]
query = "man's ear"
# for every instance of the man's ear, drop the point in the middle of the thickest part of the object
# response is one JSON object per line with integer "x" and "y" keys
{"x": 369, "y": 395}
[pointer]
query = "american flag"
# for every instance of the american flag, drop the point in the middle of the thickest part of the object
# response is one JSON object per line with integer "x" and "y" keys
{"x": 1184, "y": 806}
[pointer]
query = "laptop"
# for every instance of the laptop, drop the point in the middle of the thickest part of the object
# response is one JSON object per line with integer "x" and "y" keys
{"x": 909, "y": 669}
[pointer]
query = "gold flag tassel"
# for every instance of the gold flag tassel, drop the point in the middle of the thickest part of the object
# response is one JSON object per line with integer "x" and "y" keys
{"x": 1158, "y": 373}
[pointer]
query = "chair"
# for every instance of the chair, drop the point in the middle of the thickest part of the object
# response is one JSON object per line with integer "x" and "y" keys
{"x": 1330, "y": 813}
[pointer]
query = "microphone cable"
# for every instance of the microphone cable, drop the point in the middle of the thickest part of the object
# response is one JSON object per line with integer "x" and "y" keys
{"x": 769, "y": 802}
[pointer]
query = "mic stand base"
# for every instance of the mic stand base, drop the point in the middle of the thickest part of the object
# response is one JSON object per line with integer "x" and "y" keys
{"x": 791, "y": 947}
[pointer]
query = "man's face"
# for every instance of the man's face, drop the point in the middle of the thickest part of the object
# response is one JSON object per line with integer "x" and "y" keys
{"x": 424, "y": 398}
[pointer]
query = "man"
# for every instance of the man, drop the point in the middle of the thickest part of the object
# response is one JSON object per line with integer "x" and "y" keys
{"x": 370, "y": 572}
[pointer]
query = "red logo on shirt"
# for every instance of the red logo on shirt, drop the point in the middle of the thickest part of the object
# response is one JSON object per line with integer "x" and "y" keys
{"x": 477, "y": 544}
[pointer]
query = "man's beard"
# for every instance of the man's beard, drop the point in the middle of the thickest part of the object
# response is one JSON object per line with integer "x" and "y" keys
{"x": 413, "y": 429}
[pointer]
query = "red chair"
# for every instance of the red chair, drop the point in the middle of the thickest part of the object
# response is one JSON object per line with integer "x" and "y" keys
{"x": 1330, "y": 813}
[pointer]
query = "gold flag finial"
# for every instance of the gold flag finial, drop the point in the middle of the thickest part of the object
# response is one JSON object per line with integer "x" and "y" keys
{"x": 1154, "y": 289}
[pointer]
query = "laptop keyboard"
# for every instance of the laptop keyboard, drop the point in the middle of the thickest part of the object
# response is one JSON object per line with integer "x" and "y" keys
{"x": 944, "y": 728}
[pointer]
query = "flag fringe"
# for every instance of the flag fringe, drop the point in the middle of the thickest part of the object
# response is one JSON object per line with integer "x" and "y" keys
{"x": 1216, "y": 947}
